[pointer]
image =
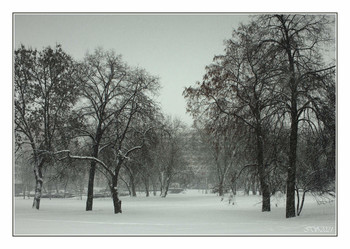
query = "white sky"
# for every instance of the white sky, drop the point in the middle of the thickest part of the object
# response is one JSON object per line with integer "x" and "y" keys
{"x": 175, "y": 47}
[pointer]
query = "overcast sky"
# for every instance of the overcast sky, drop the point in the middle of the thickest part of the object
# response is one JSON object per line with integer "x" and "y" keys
{"x": 175, "y": 47}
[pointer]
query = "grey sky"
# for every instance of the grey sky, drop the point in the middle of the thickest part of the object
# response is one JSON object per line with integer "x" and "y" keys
{"x": 175, "y": 47}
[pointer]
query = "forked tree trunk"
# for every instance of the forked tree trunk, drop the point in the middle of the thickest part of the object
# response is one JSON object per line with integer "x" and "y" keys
{"x": 165, "y": 186}
{"x": 300, "y": 205}
{"x": 165, "y": 191}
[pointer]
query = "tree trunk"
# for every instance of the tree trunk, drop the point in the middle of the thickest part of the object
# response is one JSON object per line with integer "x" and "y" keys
{"x": 37, "y": 197}
{"x": 221, "y": 188}
{"x": 162, "y": 184}
{"x": 234, "y": 183}
{"x": 24, "y": 191}
{"x": 117, "y": 204}
{"x": 302, "y": 203}
{"x": 132, "y": 185}
{"x": 298, "y": 199}
{"x": 126, "y": 185}
{"x": 291, "y": 178}
{"x": 90, "y": 193}
{"x": 288, "y": 46}
{"x": 246, "y": 187}
{"x": 265, "y": 191}
{"x": 165, "y": 190}
{"x": 147, "y": 190}
{"x": 165, "y": 187}
{"x": 49, "y": 189}
{"x": 38, "y": 184}
{"x": 253, "y": 184}
{"x": 154, "y": 187}
{"x": 234, "y": 188}
{"x": 146, "y": 182}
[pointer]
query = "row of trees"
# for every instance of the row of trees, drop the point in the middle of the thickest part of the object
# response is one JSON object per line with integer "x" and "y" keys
{"x": 264, "y": 118}
{"x": 267, "y": 106}
{"x": 99, "y": 114}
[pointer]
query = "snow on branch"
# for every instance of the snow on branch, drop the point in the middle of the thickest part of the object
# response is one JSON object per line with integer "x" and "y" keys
{"x": 139, "y": 146}
{"x": 131, "y": 150}
{"x": 90, "y": 158}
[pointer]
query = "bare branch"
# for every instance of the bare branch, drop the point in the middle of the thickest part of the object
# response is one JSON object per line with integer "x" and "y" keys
{"x": 90, "y": 158}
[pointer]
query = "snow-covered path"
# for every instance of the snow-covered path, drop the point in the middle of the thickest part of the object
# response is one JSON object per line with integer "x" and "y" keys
{"x": 192, "y": 213}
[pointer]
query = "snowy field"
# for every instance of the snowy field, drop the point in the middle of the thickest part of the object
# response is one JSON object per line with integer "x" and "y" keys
{"x": 189, "y": 213}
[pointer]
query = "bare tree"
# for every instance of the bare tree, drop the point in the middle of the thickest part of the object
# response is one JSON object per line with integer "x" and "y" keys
{"x": 45, "y": 91}
{"x": 102, "y": 76}
{"x": 221, "y": 141}
{"x": 240, "y": 84}
{"x": 113, "y": 96}
{"x": 272, "y": 67}
{"x": 168, "y": 154}
{"x": 117, "y": 108}
{"x": 299, "y": 39}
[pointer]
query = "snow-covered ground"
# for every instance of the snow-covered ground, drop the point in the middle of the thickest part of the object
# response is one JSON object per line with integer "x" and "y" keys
{"x": 190, "y": 213}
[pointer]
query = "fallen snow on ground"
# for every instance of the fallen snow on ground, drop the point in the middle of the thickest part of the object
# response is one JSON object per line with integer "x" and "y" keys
{"x": 190, "y": 213}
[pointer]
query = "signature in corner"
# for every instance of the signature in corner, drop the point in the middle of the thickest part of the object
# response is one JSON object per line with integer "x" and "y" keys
{"x": 319, "y": 229}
